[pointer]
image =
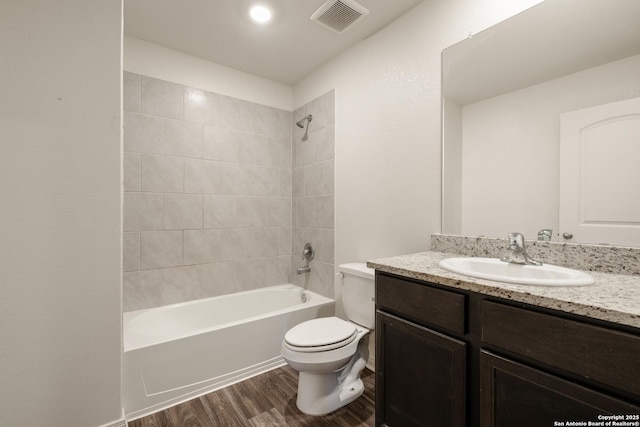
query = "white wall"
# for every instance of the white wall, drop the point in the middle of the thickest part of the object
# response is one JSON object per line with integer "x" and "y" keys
{"x": 152, "y": 60}
{"x": 452, "y": 173}
{"x": 60, "y": 215}
{"x": 521, "y": 160}
{"x": 388, "y": 126}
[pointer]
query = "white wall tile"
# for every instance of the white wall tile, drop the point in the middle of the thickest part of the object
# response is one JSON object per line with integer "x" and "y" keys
{"x": 160, "y": 249}
{"x": 251, "y": 211}
{"x": 235, "y": 114}
{"x": 302, "y": 280}
{"x": 319, "y": 178}
{"x": 324, "y": 140}
{"x": 277, "y": 270}
{"x": 183, "y": 211}
{"x": 263, "y": 241}
{"x": 202, "y": 176}
{"x": 183, "y": 139}
{"x": 298, "y": 182}
{"x": 161, "y": 174}
{"x": 234, "y": 244}
{"x": 323, "y": 243}
{"x": 142, "y": 134}
{"x": 131, "y": 251}
{"x": 180, "y": 284}
{"x": 303, "y": 151}
{"x": 323, "y": 110}
{"x": 312, "y": 190}
{"x": 201, "y": 106}
{"x": 279, "y": 152}
{"x": 131, "y": 171}
{"x": 236, "y": 179}
{"x": 272, "y": 122}
{"x": 264, "y": 181}
{"x": 130, "y": 92}
{"x": 279, "y": 211}
{"x": 284, "y": 241}
{"x": 302, "y": 235}
{"x": 218, "y": 279}
{"x": 161, "y": 98}
{"x": 286, "y": 184}
{"x": 220, "y": 212}
{"x": 142, "y": 211}
{"x": 328, "y": 177}
{"x": 252, "y": 149}
{"x": 313, "y": 182}
{"x": 141, "y": 289}
{"x": 201, "y": 246}
{"x": 303, "y": 212}
{"x": 221, "y": 143}
{"x": 224, "y": 166}
{"x": 321, "y": 280}
{"x": 323, "y": 211}
{"x": 251, "y": 275}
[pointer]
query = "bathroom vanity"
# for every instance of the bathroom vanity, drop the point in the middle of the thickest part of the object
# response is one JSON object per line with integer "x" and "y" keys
{"x": 452, "y": 350}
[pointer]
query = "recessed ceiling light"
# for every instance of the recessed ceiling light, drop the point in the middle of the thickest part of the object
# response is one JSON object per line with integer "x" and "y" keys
{"x": 260, "y": 13}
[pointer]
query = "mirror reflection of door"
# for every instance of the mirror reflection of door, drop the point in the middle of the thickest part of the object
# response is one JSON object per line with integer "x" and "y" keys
{"x": 600, "y": 173}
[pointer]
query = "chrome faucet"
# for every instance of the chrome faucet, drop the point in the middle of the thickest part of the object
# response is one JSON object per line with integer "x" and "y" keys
{"x": 545, "y": 234}
{"x": 307, "y": 254}
{"x": 305, "y": 269}
{"x": 516, "y": 252}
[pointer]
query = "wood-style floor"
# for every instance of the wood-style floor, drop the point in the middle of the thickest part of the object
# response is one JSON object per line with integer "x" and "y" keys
{"x": 267, "y": 400}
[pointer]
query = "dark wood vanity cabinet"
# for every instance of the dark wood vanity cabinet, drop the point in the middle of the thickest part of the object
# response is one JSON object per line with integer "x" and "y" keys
{"x": 457, "y": 358}
{"x": 421, "y": 374}
{"x": 514, "y": 394}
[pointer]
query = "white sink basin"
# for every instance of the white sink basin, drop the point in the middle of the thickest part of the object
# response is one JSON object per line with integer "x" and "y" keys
{"x": 494, "y": 269}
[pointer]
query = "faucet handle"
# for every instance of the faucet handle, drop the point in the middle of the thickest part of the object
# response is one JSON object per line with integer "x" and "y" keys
{"x": 308, "y": 253}
{"x": 515, "y": 241}
{"x": 545, "y": 234}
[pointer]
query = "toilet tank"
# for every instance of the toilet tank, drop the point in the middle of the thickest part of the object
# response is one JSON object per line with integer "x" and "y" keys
{"x": 358, "y": 288}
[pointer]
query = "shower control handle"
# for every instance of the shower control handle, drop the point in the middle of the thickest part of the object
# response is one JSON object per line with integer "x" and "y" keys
{"x": 308, "y": 253}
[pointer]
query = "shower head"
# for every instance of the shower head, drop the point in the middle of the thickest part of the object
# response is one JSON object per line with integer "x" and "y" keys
{"x": 301, "y": 123}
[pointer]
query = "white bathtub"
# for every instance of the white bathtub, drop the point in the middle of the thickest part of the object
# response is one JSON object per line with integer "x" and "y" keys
{"x": 177, "y": 352}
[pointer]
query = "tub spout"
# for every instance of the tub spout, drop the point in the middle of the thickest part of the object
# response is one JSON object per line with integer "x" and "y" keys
{"x": 305, "y": 269}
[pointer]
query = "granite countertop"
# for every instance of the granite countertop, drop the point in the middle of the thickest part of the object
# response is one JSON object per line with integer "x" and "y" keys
{"x": 613, "y": 298}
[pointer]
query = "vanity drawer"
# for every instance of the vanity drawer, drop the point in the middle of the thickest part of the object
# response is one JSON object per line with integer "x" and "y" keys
{"x": 604, "y": 355}
{"x": 421, "y": 303}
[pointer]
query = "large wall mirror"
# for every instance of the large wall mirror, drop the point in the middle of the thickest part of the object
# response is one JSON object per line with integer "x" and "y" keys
{"x": 518, "y": 154}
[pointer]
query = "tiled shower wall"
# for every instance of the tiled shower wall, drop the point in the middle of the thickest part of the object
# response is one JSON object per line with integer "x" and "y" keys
{"x": 208, "y": 185}
{"x": 207, "y": 194}
{"x": 313, "y": 194}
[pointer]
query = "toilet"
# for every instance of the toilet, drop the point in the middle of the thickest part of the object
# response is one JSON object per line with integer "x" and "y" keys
{"x": 329, "y": 352}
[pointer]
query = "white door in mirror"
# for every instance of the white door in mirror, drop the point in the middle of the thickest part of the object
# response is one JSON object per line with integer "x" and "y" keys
{"x": 599, "y": 173}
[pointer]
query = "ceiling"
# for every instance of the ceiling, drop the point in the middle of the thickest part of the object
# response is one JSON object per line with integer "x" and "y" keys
{"x": 286, "y": 50}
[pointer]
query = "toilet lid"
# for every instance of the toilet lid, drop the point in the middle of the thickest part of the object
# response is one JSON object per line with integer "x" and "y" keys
{"x": 321, "y": 332}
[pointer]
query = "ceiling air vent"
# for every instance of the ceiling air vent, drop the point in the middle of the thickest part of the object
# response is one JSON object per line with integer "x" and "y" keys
{"x": 338, "y": 15}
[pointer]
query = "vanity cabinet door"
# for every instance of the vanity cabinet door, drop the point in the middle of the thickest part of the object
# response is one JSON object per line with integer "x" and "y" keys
{"x": 420, "y": 375}
{"x": 513, "y": 394}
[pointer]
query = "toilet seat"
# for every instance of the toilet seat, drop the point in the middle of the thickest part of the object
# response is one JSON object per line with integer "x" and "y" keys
{"x": 323, "y": 334}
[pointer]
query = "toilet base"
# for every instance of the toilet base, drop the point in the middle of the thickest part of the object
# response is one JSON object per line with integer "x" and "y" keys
{"x": 322, "y": 394}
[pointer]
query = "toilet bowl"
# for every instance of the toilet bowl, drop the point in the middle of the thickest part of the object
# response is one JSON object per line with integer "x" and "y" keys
{"x": 329, "y": 352}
